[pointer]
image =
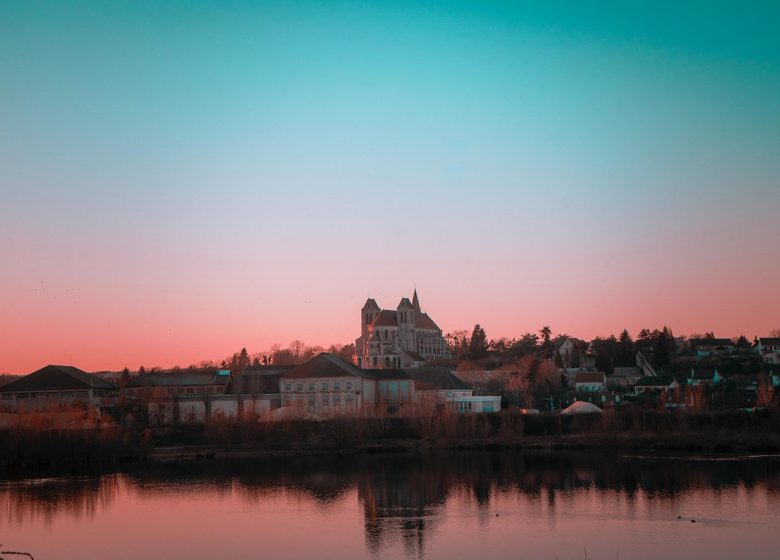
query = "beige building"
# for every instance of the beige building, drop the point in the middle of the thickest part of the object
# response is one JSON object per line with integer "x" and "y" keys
{"x": 326, "y": 385}
{"x": 398, "y": 338}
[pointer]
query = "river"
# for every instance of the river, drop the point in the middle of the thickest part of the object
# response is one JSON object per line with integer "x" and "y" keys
{"x": 441, "y": 506}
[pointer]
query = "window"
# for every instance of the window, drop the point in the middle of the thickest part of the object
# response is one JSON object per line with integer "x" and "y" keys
{"x": 325, "y": 399}
{"x": 336, "y": 399}
{"x": 299, "y": 387}
{"x": 324, "y": 386}
{"x": 349, "y": 399}
{"x": 349, "y": 385}
{"x": 337, "y": 386}
{"x": 311, "y": 386}
{"x": 288, "y": 387}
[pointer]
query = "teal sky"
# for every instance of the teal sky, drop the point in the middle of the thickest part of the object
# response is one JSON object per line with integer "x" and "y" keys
{"x": 182, "y": 179}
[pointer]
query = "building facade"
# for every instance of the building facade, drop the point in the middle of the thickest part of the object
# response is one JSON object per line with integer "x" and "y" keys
{"x": 398, "y": 338}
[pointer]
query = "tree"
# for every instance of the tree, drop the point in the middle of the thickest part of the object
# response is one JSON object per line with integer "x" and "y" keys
{"x": 662, "y": 348}
{"x": 478, "y": 343}
{"x": 526, "y": 345}
{"x": 296, "y": 349}
{"x": 547, "y": 347}
{"x": 765, "y": 393}
{"x": 626, "y": 350}
{"x": 458, "y": 343}
{"x": 644, "y": 336}
{"x": 604, "y": 361}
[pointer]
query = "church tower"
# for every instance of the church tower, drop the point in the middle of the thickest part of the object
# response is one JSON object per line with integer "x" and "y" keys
{"x": 367, "y": 315}
{"x": 405, "y": 311}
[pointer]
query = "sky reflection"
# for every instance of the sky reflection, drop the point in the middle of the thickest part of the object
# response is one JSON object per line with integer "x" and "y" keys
{"x": 449, "y": 506}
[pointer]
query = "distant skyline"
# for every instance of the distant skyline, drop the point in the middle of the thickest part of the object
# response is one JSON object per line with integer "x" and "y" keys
{"x": 179, "y": 180}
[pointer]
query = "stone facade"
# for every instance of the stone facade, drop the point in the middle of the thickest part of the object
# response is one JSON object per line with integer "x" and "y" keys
{"x": 398, "y": 338}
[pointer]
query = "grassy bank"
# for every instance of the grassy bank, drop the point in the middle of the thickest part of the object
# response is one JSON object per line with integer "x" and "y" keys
{"x": 634, "y": 430}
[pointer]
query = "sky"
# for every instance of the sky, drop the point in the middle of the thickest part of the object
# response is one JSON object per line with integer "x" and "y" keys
{"x": 182, "y": 179}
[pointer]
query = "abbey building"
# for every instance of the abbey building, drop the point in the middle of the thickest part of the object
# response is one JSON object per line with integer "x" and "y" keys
{"x": 398, "y": 338}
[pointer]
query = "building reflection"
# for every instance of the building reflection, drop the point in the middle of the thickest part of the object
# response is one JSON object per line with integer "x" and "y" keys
{"x": 403, "y": 498}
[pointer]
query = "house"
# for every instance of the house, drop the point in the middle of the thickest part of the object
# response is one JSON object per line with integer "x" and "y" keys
{"x": 624, "y": 376}
{"x": 569, "y": 350}
{"x": 590, "y": 381}
{"x": 654, "y": 384}
{"x": 708, "y": 347}
{"x": 768, "y": 349}
{"x": 704, "y": 377}
{"x": 440, "y": 387}
{"x": 55, "y": 386}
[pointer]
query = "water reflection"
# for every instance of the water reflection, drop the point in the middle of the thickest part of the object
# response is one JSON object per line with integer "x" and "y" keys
{"x": 406, "y": 499}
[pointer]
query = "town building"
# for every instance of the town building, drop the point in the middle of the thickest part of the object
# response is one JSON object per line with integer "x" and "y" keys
{"x": 768, "y": 349}
{"x": 590, "y": 381}
{"x": 704, "y": 377}
{"x": 398, "y": 338}
{"x": 329, "y": 386}
{"x": 625, "y": 376}
{"x": 156, "y": 385}
{"x": 655, "y": 384}
{"x": 708, "y": 347}
{"x": 326, "y": 385}
{"x": 56, "y": 386}
{"x": 440, "y": 387}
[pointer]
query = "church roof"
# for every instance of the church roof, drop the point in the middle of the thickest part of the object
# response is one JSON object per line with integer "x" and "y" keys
{"x": 386, "y": 318}
{"x": 405, "y": 303}
{"x": 416, "y": 301}
{"x": 57, "y": 378}
{"x": 423, "y": 321}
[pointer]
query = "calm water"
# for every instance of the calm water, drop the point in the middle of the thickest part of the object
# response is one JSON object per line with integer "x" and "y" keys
{"x": 502, "y": 505}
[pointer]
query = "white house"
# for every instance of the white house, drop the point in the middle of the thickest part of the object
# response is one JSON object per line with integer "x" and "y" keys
{"x": 590, "y": 381}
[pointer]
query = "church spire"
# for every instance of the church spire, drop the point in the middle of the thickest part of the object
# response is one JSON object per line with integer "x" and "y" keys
{"x": 416, "y": 301}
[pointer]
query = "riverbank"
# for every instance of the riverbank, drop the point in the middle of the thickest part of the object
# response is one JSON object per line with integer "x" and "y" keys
{"x": 631, "y": 431}
{"x": 696, "y": 443}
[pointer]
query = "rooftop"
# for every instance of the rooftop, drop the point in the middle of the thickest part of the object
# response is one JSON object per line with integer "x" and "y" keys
{"x": 57, "y": 378}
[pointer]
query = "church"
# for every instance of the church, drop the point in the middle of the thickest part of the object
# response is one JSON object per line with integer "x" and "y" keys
{"x": 398, "y": 338}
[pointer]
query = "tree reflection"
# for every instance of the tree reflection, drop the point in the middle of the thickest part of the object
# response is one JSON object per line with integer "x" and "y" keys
{"x": 402, "y": 498}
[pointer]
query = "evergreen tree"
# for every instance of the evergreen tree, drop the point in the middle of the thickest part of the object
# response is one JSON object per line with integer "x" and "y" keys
{"x": 478, "y": 343}
{"x": 662, "y": 349}
{"x": 626, "y": 350}
{"x": 547, "y": 346}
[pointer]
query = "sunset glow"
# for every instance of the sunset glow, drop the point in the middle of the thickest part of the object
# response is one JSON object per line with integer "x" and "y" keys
{"x": 179, "y": 181}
